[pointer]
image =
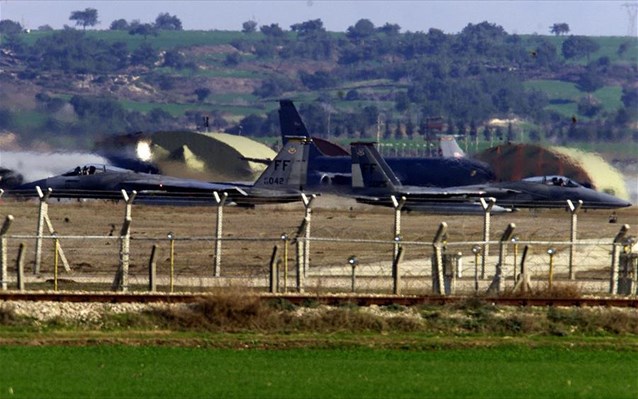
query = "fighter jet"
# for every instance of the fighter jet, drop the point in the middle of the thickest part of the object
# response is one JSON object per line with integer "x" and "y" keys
{"x": 374, "y": 182}
{"x": 282, "y": 181}
{"x": 335, "y": 170}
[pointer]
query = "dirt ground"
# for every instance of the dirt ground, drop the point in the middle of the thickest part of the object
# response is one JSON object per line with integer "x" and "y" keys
{"x": 250, "y": 234}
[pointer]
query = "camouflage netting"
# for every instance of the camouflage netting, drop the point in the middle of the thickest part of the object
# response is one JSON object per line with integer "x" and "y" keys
{"x": 518, "y": 161}
{"x": 209, "y": 156}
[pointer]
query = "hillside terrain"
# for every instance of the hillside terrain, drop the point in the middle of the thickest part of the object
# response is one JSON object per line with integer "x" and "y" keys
{"x": 67, "y": 88}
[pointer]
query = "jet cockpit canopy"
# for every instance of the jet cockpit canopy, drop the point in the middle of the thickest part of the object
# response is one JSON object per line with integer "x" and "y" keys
{"x": 554, "y": 180}
{"x": 92, "y": 169}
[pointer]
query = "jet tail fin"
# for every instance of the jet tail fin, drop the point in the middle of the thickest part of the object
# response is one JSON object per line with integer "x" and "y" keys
{"x": 290, "y": 121}
{"x": 450, "y": 148}
{"x": 369, "y": 169}
{"x": 289, "y": 169}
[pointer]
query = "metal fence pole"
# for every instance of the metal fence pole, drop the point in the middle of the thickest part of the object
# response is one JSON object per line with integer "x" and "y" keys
{"x": 120, "y": 282}
{"x": 550, "y": 279}
{"x": 573, "y": 209}
{"x": 497, "y": 281}
{"x": 476, "y": 250}
{"x": 398, "y": 206}
{"x": 437, "y": 273}
{"x": 487, "y": 209}
{"x": 125, "y": 245}
{"x": 307, "y": 201}
{"x": 152, "y": 270}
{"x": 42, "y": 212}
{"x": 56, "y": 251}
{"x": 20, "y": 267}
{"x": 220, "y": 200}
{"x": 353, "y": 262}
{"x": 396, "y": 273}
{"x": 3, "y": 251}
{"x": 299, "y": 262}
{"x": 613, "y": 278}
{"x": 523, "y": 282}
{"x": 274, "y": 276}
{"x": 171, "y": 239}
{"x": 128, "y": 201}
{"x": 284, "y": 239}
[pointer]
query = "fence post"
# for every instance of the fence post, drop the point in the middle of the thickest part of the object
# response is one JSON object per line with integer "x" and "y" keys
{"x": 487, "y": 206}
{"x": 43, "y": 218}
{"x": 476, "y": 250}
{"x": 613, "y": 278}
{"x": 307, "y": 202}
{"x": 128, "y": 201}
{"x": 220, "y": 201}
{"x": 550, "y": 279}
{"x": 437, "y": 272}
{"x": 398, "y": 206}
{"x": 515, "y": 239}
{"x": 353, "y": 262}
{"x": 42, "y": 212}
{"x": 171, "y": 239}
{"x": 284, "y": 239}
{"x": 120, "y": 282}
{"x": 299, "y": 263}
{"x": 274, "y": 276}
{"x": 20, "y": 267}
{"x": 523, "y": 282}
{"x": 497, "y": 280}
{"x": 125, "y": 245}
{"x": 152, "y": 270}
{"x": 573, "y": 209}
{"x": 396, "y": 273}
{"x": 56, "y": 252}
{"x": 3, "y": 251}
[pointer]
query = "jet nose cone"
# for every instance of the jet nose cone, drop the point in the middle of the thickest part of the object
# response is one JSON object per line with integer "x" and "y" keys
{"x": 609, "y": 201}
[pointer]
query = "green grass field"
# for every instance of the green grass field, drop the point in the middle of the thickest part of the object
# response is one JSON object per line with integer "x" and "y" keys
{"x": 164, "y": 40}
{"x": 609, "y": 96}
{"x": 145, "y": 371}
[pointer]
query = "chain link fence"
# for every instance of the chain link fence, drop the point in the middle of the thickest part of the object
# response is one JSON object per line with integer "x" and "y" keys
{"x": 331, "y": 257}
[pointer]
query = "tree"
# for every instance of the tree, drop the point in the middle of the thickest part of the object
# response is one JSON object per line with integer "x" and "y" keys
{"x": 389, "y": 29}
{"x": 142, "y": 29}
{"x": 145, "y": 55}
{"x": 559, "y": 29}
{"x": 119, "y": 24}
{"x": 202, "y": 93}
{"x": 579, "y": 46}
{"x": 85, "y": 18}
{"x": 165, "y": 21}
{"x": 249, "y": 26}
{"x": 318, "y": 80}
{"x": 590, "y": 81}
{"x": 272, "y": 30}
{"x": 274, "y": 86}
{"x": 361, "y": 30}
{"x": 232, "y": 59}
{"x": 308, "y": 28}
{"x": 9, "y": 27}
{"x": 174, "y": 59}
{"x": 629, "y": 99}
{"x": 589, "y": 106}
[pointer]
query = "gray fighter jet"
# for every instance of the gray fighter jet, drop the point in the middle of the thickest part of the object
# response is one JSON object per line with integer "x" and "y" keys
{"x": 282, "y": 181}
{"x": 374, "y": 182}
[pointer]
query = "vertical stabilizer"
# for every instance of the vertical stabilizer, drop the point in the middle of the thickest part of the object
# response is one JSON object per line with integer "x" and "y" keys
{"x": 290, "y": 121}
{"x": 450, "y": 148}
{"x": 289, "y": 169}
{"x": 369, "y": 169}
